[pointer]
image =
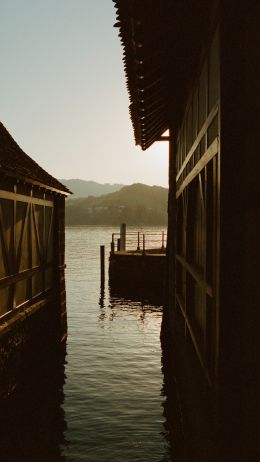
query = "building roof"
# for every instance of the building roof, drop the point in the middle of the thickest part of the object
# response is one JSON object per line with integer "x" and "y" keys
{"x": 161, "y": 42}
{"x": 15, "y": 162}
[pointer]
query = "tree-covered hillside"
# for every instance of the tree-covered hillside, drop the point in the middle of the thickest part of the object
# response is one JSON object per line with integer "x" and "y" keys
{"x": 137, "y": 204}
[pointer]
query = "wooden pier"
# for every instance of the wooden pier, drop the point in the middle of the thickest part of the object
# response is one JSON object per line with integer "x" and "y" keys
{"x": 137, "y": 264}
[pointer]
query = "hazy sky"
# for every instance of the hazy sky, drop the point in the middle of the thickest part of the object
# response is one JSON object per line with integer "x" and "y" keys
{"x": 63, "y": 95}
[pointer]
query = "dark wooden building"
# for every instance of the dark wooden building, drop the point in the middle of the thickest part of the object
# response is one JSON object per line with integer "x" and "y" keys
{"x": 32, "y": 287}
{"x": 193, "y": 67}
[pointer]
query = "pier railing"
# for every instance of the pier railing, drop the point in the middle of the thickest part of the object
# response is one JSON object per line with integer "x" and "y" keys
{"x": 139, "y": 241}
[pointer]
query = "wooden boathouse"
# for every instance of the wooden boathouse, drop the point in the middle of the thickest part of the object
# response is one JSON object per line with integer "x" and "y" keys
{"x": 193, "y": 68}
{"x": 32, "y": 285}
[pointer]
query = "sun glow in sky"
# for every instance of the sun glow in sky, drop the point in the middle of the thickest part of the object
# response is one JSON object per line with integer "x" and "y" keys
{"x": 63, "y": 95}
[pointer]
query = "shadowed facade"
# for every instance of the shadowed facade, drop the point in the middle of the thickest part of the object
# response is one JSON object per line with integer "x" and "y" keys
{"x": 193, "y": 68}
{"x": 32, "y": 285}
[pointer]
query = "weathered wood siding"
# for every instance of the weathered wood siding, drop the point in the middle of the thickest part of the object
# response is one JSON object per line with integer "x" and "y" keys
{"x": 217, "y": 248}
{"x": 26, "y": 246}
{"x": 197, "y": 189}
{"x": 59, "y": 260}
{"x": 32, "y": 285}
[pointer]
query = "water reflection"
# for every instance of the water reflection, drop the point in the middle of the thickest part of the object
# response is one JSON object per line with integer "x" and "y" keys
{"x": 129, "y": 299}
{"x": 32, "y": 423}
{"x": 114, "y": 394}
{"x": 145, "y": 295}
{"x": 138, "y": 306}
{"x": 102, "y": 297}
{"x": 102, "y": 313}
{"x": 143, "y": 307}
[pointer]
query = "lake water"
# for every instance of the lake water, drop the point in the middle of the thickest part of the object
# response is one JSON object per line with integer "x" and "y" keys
{"x": 113, "y": 400}
{"x": 109, "y": 398}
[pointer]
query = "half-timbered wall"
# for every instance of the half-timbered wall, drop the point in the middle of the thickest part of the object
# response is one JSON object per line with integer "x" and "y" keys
{"x": 198, "y": 151}
{"x": 26, "y": 247}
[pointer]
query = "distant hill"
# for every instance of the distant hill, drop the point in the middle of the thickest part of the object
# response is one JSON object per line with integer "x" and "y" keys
{"x": 137, "y": 204}
{"x": 82, "y": 188}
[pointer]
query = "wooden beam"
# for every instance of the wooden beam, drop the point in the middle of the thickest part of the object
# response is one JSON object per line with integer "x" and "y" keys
{"x": 196, "y": 273}
{"x": 163, "y": 138}
{"x": 5, "y": 251}
{"x": 193, "y": 337}
{"x": 208, "y": 155}
{"x": 22, "y": 198}
{"x": 196, "y": 143}
{"x": 37, "y": 236}
{"x": 14, "y": 278}
{"x": 48, "y": 243}
{"x": 20, "y": 241}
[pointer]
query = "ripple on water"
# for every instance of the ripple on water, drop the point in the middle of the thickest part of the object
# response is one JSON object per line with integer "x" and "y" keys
{"x": 113, "y": 400}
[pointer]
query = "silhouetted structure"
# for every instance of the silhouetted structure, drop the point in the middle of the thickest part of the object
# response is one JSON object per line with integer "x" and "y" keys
{"x": 32, "y": 287}
{"x": 193, "y": 68}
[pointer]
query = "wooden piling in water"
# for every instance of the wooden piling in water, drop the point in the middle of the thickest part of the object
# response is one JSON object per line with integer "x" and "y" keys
{"x": 123, "y": 236}
{"x": 102, "y": 265}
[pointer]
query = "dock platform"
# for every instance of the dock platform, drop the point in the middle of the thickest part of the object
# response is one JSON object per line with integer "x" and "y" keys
{"x": 137, "y": 270}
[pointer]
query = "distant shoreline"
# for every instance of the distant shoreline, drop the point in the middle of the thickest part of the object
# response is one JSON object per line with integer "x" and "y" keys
{"x": 116, "y": 226}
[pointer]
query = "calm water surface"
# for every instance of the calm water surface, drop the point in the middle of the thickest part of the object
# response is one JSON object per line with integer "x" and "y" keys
{"x": 105, "y": 398}
{"x": 113, "y": 391}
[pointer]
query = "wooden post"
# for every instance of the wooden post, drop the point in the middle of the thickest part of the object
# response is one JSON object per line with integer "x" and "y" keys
{"x": 59, "y": 256}
{"x": 118, "y": 245}
{"x": 113, "y": 244}
{"x": 123, "y": 236}
{"x": 171, "y": 236}
{"x": 162, "y": 239}
{"x": 102, "y": 265}
{"x": 138, "y": 241}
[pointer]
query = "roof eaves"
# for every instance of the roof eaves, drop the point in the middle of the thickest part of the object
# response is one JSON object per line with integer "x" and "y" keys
{"x": 142, "y": 39}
